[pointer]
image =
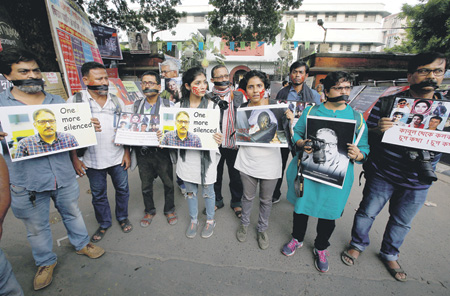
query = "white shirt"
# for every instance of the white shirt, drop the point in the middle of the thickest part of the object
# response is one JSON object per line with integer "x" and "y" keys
{"x": 259, "y": 162}
{"x": 105, "y": 154}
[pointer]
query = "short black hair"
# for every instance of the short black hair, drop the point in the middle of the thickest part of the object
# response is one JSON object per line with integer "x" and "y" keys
{"x": 255, "y": 73}
{"x": 424, "y": 58}
{"x": 87, "y": 67}
{"x": 401, "y": 100}
{"x": 154, "y": 74}
{"x": 217, "y": 67}
{"x": 334, "y": 78}
{"x": 418, "y": 115}
{"x": 437, "y": 117}
{"x": 398, "y": 113}
{"x": 299, "y": 64}
{"x": 15, "y": 55}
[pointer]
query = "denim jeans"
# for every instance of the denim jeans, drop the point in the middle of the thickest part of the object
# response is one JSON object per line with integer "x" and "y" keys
{"x": 8, "y": 283}
{"x": 404, "y": 204}
{"x": 153, "y": 162}
{"x": 35, "y": 216}
{"x": 228, "y": 156}
{"x": 208, "y": 194}
{"x": 97, "y": 182}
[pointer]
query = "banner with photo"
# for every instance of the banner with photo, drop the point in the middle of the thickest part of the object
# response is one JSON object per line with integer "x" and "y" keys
{"x": 419, "y": 123}
{"x": 138, "y": 42}
{"x": 137, "y": 129}
{"x": 261, "y": 126}
{"x": 328, "y": 162}
{"x": 116, "y": 87}
{"x": 189, "y": 128}
{"x": 40, "y": 130}
{"x": 171, "y": 89}
{"x": 108, "y": 42}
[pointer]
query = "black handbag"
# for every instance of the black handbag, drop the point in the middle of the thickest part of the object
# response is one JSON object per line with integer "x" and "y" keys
{"x": 299, "y": 179}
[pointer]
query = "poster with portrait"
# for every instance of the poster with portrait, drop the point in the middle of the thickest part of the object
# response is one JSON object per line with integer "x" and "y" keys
{"x": 117, "y": 88}
{"x": 419, "y": 123}
{"x": 261, "y": 126}
{"x": 328, "y": 162}
{"x": 137, "y": 129}
{"x": 171, "y": 89}
{"x": 189, "y": 128}
{"x": 107, "y": 41}
{"x": 40, "y": 130}
{"x": 138, "y": 42}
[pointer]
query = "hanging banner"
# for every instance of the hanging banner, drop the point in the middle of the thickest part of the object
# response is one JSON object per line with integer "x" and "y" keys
{"x": 73, "y": 39}
{"x": 138, "y": 43}
{"x": 107, "y": 41}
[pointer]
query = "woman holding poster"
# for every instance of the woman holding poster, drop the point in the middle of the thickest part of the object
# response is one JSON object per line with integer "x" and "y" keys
{"x": 321, "y": 200}
{"x": 257, "y": 165}
{"x": 196, "y": 167}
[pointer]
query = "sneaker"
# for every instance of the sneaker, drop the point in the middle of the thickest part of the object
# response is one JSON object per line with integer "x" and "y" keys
{"x": 208, "y": 229}
{"x": 321, "y": 260}
{"x": 43, "y": 277}
{"x": 191, "y": 232}
{"x": 182, "y": 188}
{"x": 241, "y": 234}
{"x": 92, "y": 251}
{"x": 276, "y": 200}
{"x": 263, "y": 240}
{"x": 291, "y": 246}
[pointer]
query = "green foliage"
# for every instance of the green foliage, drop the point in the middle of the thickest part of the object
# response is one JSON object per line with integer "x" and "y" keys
{"x": 248, "y": 20}
{"x": 133, "y": 14}
{"x": 199, "y": 56}
{"x": 428, "y": 27}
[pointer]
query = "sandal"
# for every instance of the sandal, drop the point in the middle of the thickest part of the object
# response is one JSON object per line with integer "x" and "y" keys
{"x": 238, "y": 213}
{"x": 395, "y": 271}
{"x": 124, "y": 224}
{"x": 147, "y": 220}
{"x": 215, "y": 208}
{"x": 100, "y": 232}
{"x": 172, "y": 218}
{"x": 345, "y": 254}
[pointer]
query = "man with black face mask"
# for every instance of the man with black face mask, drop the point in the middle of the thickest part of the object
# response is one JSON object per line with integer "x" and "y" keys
{"x": 105, "y": 157}
{"x": 390, "y": 175}
{"x": 153, "y": 161}
{"x": 34, "y": 182}
{"x": 228, "y": 150}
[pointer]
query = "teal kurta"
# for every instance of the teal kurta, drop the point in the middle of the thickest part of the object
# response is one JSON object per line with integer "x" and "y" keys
{"x": 321, "y": 200}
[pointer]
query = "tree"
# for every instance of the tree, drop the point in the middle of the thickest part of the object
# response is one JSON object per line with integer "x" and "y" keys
{"x": 133, "y": 15}
{"x": 198, "y": 58}
{"x": 428, "y": 27}
{"x": 248, "y": 20}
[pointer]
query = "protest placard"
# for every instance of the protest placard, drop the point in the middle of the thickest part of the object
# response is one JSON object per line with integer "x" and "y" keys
{"x": 40, "y": 130}
{"x": 171, "y": 89}
{"x": 189, "y": 128}
{"x": 328, "y": 162}
{"x": 137, "y": 129}
{"x": 419, "y": 123}
{"x": 261, "y": 126}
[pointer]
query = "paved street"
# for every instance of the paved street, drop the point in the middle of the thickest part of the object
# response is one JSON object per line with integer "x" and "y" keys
{"x": 160, "y": 260}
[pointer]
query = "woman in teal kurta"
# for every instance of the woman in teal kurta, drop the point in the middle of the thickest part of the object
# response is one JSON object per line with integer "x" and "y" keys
{"x": 320, "y": 200}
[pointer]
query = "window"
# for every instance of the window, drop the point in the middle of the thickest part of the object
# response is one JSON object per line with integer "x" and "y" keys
{"x": 199, "y": 19}
{"x": 345, "y": 47}
{"x": 311, "y": 17}
{"x": 350, "y": 17}
{"x": 183, "y": 19}
{"x": 330, "y": 17}
{"x": 364, "y": 47}
{"x": 369, "y": 17}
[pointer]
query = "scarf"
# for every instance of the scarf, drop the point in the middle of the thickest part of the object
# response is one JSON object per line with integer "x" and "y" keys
{"x": 228, "y": 117}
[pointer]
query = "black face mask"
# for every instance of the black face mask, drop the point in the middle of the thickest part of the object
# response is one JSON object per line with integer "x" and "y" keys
{"x": 337, "y": 99}
{"x": 222, "y": 83}
{"x": 297, "y": 84}
{"x": 425, "y": 83}
{"x": 149, "y": 90}
{"x": 98, "y": 87}
{"x": 28, "y": 82}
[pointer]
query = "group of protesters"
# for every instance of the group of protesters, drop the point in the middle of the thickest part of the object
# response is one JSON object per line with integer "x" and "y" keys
{"x": 388, "y": 176}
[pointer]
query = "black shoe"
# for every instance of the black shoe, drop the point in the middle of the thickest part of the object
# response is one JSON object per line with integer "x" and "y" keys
{"x": 276, "y": 200}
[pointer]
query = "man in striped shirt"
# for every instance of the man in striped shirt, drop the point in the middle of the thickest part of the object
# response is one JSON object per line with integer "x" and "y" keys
{"x": 391, "y": 175}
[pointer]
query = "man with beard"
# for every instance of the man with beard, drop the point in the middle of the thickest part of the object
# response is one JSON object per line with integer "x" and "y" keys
{"x": 153, "y": 161}
{"x": 228, "y": 149}
{"x": 34, "y": 182}
{"x": 391, "y": 175}
{"x": 298, "y": 91}
{"x": 47, "y": 139}
{"x": 105, "y": 157}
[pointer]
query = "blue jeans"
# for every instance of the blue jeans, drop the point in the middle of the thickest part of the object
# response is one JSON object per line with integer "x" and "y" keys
{"x": 8, "y": 283}
{"x": 208, "y": 194}
{"x": 36, "y": 219}
{"x": 404, "y": 204}
{"x": 97, "y": 182}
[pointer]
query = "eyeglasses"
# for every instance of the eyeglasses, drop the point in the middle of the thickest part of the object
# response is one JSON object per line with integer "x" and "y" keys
{"x": 183, "y": 121}
{"x": 44, "y": 122}
{"x": 425, "y": 72}
{"x": 340, "y": 88}
{"x": 222, "y": 77}
{"x": 149, "y": 83}
{"x": 331, "y": 144}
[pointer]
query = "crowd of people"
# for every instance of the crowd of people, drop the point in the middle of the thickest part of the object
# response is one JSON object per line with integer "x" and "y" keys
{"x": 388, "y": 176}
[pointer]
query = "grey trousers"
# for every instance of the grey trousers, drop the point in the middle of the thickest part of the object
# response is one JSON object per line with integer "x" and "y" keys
{"x": 266, "y": 188}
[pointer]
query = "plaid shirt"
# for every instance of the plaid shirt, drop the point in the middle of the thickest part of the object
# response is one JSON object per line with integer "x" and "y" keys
{"x": 172, "y": 139}
{"x": 34, "y": 144}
